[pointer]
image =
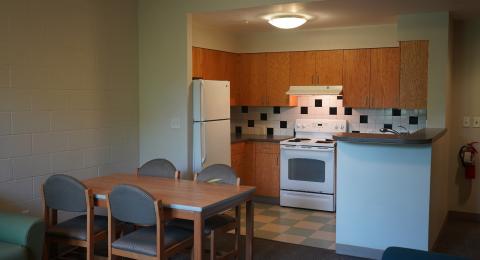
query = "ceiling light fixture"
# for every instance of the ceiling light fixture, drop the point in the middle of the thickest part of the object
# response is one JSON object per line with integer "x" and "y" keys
{"x": 287, "y": 21}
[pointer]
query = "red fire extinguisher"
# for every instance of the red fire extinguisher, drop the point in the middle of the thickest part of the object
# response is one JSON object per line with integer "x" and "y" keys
{"x": 467, "y": 157}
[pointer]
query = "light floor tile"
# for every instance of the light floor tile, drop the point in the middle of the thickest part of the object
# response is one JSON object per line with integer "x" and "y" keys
{"x": 330, "y": 236}
{"x": 264, "y": 219}
{"x": 300, "y": 231}
{"x": 285, "y": 221}
{"x": 290, "y": 238}
{"x": 308, "y": 225}
{"x": 265, "y": 234}
{"x": 274, "y": 228}
{"x": 295, "y": 216}
{"x": 318, "y": 219}
{"x": 328, "y": 228}
{"x": 317, "y": 243}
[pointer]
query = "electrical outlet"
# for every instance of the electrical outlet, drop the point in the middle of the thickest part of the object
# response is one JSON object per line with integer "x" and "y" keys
{"x": 476, "y": 121}
{"x": 466, "y": 121}
{"x": 175, "y": 123}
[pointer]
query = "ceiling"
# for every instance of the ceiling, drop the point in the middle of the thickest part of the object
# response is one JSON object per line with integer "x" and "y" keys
{"x": 335, "y": 13}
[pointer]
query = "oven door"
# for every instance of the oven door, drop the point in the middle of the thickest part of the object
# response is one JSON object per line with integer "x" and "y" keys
{"x": 310, "y": 169}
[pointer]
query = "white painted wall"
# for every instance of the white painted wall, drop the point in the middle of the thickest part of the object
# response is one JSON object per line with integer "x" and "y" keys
{"x": 383, "y": 194}
{"x": 68, "y": 93}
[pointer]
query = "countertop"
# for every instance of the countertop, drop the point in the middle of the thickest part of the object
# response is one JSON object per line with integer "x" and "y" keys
{"x": 423, "y": 136}
{"x": 259, "y": 138}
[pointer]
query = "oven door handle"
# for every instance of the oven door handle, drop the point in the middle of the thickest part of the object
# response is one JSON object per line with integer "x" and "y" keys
{"x": 329, "y": 149}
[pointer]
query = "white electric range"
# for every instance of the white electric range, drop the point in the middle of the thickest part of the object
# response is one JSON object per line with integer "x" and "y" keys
{"x": 307, "y": 164}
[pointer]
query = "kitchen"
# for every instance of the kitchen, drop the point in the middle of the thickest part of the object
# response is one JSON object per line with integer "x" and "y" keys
{"x": 312, "y": 91}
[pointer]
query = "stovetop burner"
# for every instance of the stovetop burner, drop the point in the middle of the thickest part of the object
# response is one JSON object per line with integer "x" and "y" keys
{"x": 298, "y": 140}
{"x": 326, "y": 141}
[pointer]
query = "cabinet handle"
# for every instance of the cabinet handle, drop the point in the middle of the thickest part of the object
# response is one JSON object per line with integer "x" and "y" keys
{"x": 313, "y": 81}
{"x": 366, "y": 101}
{"x": 318, "y": 79}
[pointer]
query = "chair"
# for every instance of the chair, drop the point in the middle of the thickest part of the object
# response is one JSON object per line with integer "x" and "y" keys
{"x": 159, "y": 168}
{"x": 153, "y": 239}
{"x": 21, "y": 236}
{"x": 221, "y": 223}
{"x": 65, "y": 193}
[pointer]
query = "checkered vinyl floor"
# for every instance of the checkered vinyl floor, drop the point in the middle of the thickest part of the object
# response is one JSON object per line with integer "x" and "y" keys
{"x": 291, "y": 225}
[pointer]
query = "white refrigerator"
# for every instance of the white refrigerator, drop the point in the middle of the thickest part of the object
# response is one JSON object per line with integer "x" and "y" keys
{"x": 211, "y": 123}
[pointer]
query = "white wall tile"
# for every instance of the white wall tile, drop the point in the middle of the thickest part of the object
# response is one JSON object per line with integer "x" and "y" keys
{"x": 49, "y": 142}
{"x": 4, "y": 76}
{"x": 66, "y": 161}
{"x": 96, "y": 156}
{"x": 15, "y": 145}
{"x": 5, "y": 123}
{"x": 30, "y": 122}
{"x": 49, "y": 100}
{"x": 5, "y": 170}
{"x": 15, "y": 100}
{"x": 17, "y": 191}
{"x": 31, "y": 166}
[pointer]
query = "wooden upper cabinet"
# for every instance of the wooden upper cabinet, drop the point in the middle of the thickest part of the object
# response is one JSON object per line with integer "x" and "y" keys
{"x": 215, "y": 63}
{"x": 356, "y": 78}
{"x": 231, "y": 75}
{"x": 413, "y": 74}
{"x": 242, "y": 78}
{"x": 302, "y": 68}
{"x": 278, "y": 79}
{"x": 197, "y": 62}
{"x": 255, "y": 91}
{"x": 329, "y": 67}
{"x": 385, "y": 78}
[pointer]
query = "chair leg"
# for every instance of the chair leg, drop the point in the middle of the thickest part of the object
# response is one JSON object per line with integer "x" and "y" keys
{"x": 237, "y": 230}
{"x": 213, "y": 253}
{"x": 46, "y": 249}
{"x": 90, "y": 252}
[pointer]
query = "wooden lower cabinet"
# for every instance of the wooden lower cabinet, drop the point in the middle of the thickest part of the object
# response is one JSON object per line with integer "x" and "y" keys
{"x": 258, "y": 164}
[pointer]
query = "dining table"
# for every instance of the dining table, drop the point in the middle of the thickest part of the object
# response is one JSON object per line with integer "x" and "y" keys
{"x": 184, "y": 199}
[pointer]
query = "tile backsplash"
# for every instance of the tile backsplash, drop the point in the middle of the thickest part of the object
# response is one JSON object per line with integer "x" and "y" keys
{"x": 281, "y": 120}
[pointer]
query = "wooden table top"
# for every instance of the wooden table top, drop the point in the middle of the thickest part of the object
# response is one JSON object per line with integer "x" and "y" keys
{"x": 175, "y": 194}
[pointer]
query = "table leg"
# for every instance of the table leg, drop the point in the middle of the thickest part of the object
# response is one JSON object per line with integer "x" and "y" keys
{"x": 249, "y": 230}
{"x": 198, "y": 224}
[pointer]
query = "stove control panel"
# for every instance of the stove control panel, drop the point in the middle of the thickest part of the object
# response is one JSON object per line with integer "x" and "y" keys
{"x": 321, "y": 125}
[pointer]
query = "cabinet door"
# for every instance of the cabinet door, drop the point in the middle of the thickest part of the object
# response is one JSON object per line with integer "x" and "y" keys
{"x": 413, "y": 74}
{"x": 197, "y": 62}
{"x": 356, "y": 78}
{"x": 278, "y": 79}
{"x": 242, "y": 78}
{"x": 385, "y": 78}
{"x": 267, "y": 170}
{"x": 231, "y": 75}
{"x": 329, "y": 67}
{"x": 242, "y": 162}
{"x": 302, "y": 68}
{"x": 215, "y": 63}
{"x": 256, "y": 89}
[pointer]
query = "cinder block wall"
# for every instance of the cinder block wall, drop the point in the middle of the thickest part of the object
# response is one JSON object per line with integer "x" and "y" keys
{"x": 68, "y": 93}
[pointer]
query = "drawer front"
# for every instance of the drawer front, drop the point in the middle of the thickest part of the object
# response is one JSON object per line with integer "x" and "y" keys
{"x": 267, "y": 147}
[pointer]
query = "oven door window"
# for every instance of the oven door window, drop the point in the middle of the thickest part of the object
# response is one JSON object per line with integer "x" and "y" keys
{"x": 306, "y": 170}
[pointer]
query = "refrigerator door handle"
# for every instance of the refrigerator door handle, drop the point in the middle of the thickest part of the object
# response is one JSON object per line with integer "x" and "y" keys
{"x": 204, "y": 150}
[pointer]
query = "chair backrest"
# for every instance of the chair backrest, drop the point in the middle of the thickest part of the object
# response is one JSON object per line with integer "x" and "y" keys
{"x": 159, "y": 168}
{"x": 131, "y": 204}
{"x": 63, "y": 192}
{"x": 218, "y": 173}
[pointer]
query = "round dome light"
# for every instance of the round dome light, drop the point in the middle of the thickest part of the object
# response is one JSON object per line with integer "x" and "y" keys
{"x": 287, "y": 21}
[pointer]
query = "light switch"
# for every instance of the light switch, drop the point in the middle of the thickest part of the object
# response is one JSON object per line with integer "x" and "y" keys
{"x": 175, "y": 123}
{"x": 466, "y": 121}
{"x": 476, "y": 121}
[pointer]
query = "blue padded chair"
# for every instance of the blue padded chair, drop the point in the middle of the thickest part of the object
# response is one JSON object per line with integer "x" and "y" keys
{"x": 152, "y": 239}
{"x": 65, "y": 193}
{"x": 159, "y": 168}
{"x": 221, "y": 223}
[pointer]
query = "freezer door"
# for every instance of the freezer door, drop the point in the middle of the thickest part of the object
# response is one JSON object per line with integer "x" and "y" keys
{"x": 211, "y": 143}
{"x": 211, "y": 100}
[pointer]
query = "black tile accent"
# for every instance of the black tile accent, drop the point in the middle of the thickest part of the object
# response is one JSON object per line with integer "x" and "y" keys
{"x": 348, "y": 111}
{"x": 304, "y": 110}
{"x": 276, "y": 110}
{"x": 238, "y": 130}
{"x": 244, "y": 109}
{"x": 339, "y": 97}
{"x": 269, "y": 131}
{"x": 333, "y": 111}
{"x": 251, "y": 123}
{"x": 283, "y": 124}
{"x": 263, "y": 116}
{"x": 388, "y": 126}
{"x": 413, "y": 120}
{"x": 396, "y": 112}
{"x": 356, "y": 132}
{"x": 318, "y": 103}
{"x": 363, "y": 119}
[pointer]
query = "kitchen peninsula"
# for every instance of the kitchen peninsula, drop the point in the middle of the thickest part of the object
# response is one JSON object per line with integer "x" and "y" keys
{"x": 385, "y": 187}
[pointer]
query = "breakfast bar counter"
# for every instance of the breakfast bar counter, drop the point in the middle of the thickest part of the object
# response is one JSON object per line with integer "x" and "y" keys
{"x": 423, "y": 136}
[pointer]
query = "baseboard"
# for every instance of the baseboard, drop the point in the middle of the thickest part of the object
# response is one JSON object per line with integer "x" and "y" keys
{"x": 267, "y": 200}
{"x": 358, "y": 251}
{"x": 459, "y": 215}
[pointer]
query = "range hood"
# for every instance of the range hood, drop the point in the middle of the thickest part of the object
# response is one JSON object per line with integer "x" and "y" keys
{"x": 314, "y": 90}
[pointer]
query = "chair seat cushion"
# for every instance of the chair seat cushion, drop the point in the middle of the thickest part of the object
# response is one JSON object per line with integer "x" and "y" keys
{"x": 13, "y": 252}
{"x": 211, "y": 223}
{"x": 143, "y": 240}
{"x": 76, "y": 227}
